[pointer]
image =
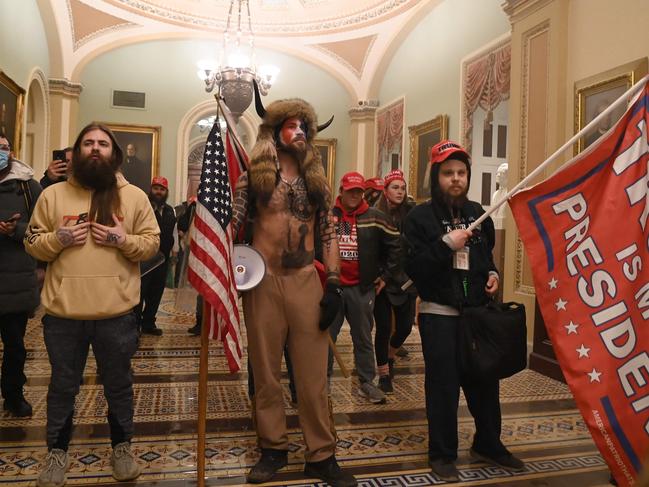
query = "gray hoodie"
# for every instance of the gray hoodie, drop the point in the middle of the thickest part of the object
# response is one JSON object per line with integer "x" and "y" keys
{"x": 18, "y": 284}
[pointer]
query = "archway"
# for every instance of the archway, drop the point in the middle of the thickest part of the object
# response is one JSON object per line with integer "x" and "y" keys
{"x": 37, "y": 124}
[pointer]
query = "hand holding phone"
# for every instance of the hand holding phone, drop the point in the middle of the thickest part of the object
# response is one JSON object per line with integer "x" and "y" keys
{"x": 58, "y": 167}
{"x": 8, "y": 226}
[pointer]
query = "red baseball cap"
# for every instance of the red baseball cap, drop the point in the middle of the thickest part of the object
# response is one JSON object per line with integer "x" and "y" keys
{"x": 160, "y": 181}
{"x": 395, "y": 174}
{"x": 352, "y": 180}
{"x": 445, "y": 149}
{"x": 374, "y": 183}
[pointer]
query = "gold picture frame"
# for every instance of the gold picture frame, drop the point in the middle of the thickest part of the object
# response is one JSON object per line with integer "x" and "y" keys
{"x": 422, "y": 138}
{"x": 327, "y": 149}
{"x": 143, "y": 165}
{"x": 12, "y": 105}
{"x": 595, "y": 93}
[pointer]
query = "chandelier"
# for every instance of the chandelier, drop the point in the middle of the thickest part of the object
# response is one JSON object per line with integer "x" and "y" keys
{"x": 237, "y": 70}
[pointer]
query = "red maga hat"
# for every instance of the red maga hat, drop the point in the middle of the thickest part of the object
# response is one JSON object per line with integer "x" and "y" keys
{"x": 374, "y": 183}
{"x": 352, "y": 180}
{"x": 160, "y": 181}
{"x": 445, "y": 149}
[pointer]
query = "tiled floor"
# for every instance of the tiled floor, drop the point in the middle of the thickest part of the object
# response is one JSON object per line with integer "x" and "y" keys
{"x": 384, "y": 445}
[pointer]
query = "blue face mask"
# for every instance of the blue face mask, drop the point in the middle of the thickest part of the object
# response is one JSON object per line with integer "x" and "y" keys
{"x": 4, "y": 159}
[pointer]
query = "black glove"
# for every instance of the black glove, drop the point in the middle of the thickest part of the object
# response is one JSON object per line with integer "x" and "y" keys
{"x": 331, "y": 303}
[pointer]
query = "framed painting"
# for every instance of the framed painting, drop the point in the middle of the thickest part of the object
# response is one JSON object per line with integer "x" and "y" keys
{"x": 422, "y": 138}
{"x": 327, "y": 149}
{"x": 140, "y": 144}
{"x": 594, "y": 94}
{"x": 12, "y": 102}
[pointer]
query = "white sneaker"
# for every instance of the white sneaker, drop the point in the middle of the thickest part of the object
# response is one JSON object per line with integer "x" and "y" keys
{"x": 56, "y": 465}
{"x": 372, "y": 393}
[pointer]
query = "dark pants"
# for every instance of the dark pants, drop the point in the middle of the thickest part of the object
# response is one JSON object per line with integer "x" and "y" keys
{"x": 12, "y": 330}
{"x": 114, "y": 341}
{"x": 404, "y": 315}
{"x": 442, "y": 388}
{"x": 153, "y": 286}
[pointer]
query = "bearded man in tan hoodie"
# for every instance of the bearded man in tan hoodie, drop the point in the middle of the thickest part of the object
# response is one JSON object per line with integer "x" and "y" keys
{"x": 92, "y": 230}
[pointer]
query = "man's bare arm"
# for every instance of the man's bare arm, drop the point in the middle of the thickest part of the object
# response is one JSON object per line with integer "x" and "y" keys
{"x": 330, "y": 254}
{"x": 240, "y": 204}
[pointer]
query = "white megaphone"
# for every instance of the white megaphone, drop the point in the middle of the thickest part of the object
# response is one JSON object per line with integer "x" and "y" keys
{"x": 249, "y": 267}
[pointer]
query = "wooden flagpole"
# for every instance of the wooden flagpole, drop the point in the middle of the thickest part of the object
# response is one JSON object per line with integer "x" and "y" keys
{"x": 202, "y": 398}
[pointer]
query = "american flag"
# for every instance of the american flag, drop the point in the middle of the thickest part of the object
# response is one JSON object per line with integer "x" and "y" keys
{"x": 210, "y": 250}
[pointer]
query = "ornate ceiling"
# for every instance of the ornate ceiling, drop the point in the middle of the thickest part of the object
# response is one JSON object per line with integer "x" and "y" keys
{"x": 353, "y": 40}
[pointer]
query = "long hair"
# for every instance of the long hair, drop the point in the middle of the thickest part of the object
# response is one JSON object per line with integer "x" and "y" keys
{"x": 105, "y": 201}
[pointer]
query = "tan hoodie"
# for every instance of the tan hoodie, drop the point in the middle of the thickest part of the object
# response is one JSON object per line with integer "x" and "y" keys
{"x": 91, "y": 281}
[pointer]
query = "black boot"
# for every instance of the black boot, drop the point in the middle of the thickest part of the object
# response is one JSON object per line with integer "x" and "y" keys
{"x": 270, "y": 462}
{"x": 18, "y": 406}
{"x": 329, "y": 471}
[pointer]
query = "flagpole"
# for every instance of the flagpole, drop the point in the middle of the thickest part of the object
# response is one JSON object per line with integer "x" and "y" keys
{"x": 202, "y": 397}
{"x": 592, "y": 124}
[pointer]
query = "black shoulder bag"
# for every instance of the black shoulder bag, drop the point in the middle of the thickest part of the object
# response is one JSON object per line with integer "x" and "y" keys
{"x": 492, "y": 341}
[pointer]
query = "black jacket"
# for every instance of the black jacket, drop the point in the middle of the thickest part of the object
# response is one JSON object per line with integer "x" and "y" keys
{"x": 19, "y": 290}
{"x": 397, "y": 216}
{"x": 166, "y": 222}
{"x": 428, "y": 260}
{"x": 378, "y": 245}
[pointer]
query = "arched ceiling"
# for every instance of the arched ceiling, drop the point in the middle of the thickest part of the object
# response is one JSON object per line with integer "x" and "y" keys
{"x": 350, "y": 39}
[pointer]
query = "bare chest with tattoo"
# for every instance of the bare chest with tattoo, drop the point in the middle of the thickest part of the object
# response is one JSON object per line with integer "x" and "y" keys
{"x": 288, "y": 222}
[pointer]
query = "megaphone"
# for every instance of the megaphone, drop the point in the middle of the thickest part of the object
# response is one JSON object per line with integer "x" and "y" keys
{"x": 249, "y": 267}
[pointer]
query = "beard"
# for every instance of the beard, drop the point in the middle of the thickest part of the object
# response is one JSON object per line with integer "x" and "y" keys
{"x": 157, "y": 199}
{"x": 98, "y": 175}
{"x": 298, "y": 151}
{"x": 451, "y": 201}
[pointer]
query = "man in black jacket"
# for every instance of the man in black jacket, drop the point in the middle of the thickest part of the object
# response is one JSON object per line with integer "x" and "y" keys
{"x": 452, "y": 268}
{"x": 369, "y": 255}
{"x": 19, "y": 293}
{"x": 153, "y": 283}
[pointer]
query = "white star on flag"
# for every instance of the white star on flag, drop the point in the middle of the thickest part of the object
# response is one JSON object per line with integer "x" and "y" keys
{"x": 553, "y": 283}
{"x": 561, "y": 304}
{"x": 572, "y": 328}
{"x": 594, "y": 375}
{"x": 583, "y": 351}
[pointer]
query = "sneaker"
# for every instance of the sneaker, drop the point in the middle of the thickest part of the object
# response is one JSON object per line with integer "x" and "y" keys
{"x": 123, "y": 462}
{"x": 401, "y": 352}
{"x": 329, "y": 471}
{"x": 270, "y": 462}
{"x": 151, "y": 330}
{"x": 506, "y": 461}
{"x": 18, "y": 407}
{"x": 445, "y": 470}
{"x": 372, "y": 393}
{"x": 385, "y": 384}
{"x": 56, "y": 464}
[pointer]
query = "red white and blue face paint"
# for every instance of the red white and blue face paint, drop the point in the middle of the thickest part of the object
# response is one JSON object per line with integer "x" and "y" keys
{"x": 293, "y": 130}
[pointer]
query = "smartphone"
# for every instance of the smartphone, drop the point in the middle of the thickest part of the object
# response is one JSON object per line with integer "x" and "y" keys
{"x": 58, "y": 155}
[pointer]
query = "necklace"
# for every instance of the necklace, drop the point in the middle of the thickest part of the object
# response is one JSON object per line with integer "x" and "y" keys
{"x": 291, "y": 185}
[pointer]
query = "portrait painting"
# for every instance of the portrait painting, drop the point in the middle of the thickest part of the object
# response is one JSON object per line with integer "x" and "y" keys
{"x": 422, "y": 138}
{"x": 595, "y": 94}
{"x": 140, "y": 145}
{"x": 12, "y": 99}
{"x": 327, "y": 150}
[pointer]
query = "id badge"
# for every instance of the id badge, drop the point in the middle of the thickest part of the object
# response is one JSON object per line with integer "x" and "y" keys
{"x": 461, "y": 259}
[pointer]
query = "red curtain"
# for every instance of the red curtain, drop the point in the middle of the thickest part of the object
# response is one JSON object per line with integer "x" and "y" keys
{"x": 486, "y": 84}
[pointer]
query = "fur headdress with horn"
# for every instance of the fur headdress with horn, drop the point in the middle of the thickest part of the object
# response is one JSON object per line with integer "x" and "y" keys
{"x": 264, "y": 170}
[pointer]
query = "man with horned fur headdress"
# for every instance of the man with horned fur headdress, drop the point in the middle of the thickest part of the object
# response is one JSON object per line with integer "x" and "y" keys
{"x": 287, "y": 195}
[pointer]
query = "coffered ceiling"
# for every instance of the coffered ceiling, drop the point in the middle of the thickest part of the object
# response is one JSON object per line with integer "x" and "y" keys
{"x": 351, "y": 39}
